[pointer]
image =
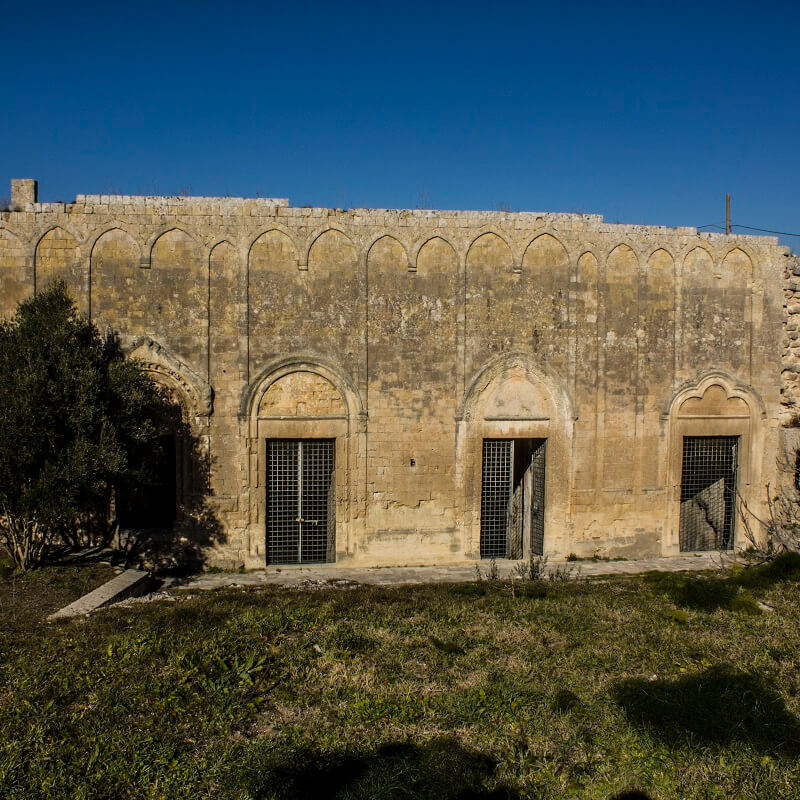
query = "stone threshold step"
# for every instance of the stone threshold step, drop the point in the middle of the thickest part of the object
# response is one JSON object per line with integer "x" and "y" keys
{"x": 131, "y": 583}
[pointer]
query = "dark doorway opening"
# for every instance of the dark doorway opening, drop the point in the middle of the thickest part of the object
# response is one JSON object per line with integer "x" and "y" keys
{"x": 156, "y": 504}
{"x": 512, "y": 497}
{"x": 708, "y": 492}
{"x": 301, "y": 496}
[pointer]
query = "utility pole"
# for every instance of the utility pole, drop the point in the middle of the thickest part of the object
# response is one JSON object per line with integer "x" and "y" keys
{"x": 727, "y": 213}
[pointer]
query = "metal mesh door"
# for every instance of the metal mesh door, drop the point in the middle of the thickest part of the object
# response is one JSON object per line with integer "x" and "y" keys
{"x": 317, "y": 465}
{"x": 495, "y": 495}
{"x": 708, "y": 492}
{"x": 299, "y": 477}
{"x": 283, "y": 487}
{"x": 537, "y": 504}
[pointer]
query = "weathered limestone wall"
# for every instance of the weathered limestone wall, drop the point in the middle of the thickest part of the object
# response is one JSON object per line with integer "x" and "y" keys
{"x": 790, "y": 373}
{"x": 410, "y": 336}
{"x": 789, "y": 450}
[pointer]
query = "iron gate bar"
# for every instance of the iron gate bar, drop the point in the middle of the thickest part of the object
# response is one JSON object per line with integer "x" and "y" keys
{"x": 537, "y": 506}
{"x": 505, "y": 511}
{"x": 498, "y": 464}
{"x": 315, "y": 499}
{"x": 300, "y": 521}
{"x": 282, "y": 494}
{"x": 708, "y": 492}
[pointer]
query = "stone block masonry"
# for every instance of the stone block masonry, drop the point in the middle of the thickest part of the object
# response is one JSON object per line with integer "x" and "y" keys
{"x": 408, "y": 337}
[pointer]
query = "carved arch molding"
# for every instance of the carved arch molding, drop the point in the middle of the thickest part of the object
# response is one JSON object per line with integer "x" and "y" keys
{"x": 191, "y": 391}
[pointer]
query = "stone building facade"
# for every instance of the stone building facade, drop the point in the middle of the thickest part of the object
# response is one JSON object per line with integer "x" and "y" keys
{"x": 419, "y": 387}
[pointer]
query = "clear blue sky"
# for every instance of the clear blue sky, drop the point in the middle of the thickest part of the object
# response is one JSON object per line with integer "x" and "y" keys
{"x": 643, "y": 112}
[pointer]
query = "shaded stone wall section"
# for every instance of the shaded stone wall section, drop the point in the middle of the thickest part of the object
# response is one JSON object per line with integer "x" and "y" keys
{"x": 178, "y": 296}
{"x": 15, "y": 273}
{"x": 119, "y": 292}
{"x": 58, "y": 257}
{"x": 227, "y": 370}
{"x": 586, "y": 321}
{"x": 790, "y": 363}
{"x": 656, "y": 365}
{"x": 620, "y": 381}
{"x": 412, "y": 309}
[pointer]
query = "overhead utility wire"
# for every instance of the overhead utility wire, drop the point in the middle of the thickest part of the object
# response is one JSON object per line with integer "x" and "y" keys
{"x": 766, "y": 230}
{"x": 750, "y": 228}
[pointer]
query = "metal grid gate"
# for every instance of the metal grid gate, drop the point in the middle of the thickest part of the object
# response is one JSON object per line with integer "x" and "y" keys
{"x": 708, "y": 492}
{"x": 537, "y": 504}
{"x": 498, "y": 464}
{"x": 300, "y": 498}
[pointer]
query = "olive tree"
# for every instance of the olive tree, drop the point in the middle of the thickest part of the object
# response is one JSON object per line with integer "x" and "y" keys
{"x": 78, "y": 422}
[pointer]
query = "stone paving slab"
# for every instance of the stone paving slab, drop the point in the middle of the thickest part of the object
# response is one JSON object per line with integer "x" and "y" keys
{"x": 126, "y": 584}
{"x": 381, "y": 576}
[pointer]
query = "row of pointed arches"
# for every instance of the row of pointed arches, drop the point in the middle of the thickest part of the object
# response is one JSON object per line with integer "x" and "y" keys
{"x": 62, "y": 245}
{"x": 116, "y": 255}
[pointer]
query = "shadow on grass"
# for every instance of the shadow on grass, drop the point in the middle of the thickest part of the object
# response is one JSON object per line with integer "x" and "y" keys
{"x": 701, "y": 593}
{"x": 711, "y": 592}
{"x": 716, "y": 707}
{"x": 632, "y": 795}
{"x": 705, "y": 594}
{"x": 440, "y": 769}
{"x": 785, "y": 568}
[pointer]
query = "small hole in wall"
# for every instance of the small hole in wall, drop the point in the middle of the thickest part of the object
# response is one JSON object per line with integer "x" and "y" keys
{"x": 412, "y": 463}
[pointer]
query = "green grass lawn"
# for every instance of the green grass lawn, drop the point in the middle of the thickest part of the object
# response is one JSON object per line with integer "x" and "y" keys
{"x": 674, "y": 685}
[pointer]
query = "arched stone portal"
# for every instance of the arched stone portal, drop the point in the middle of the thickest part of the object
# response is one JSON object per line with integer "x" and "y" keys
{"x": 182, "y": 482}
{"x": 716, "y": 438}
{"x": 513, "y": 441}
{"x": 306, "y": 435}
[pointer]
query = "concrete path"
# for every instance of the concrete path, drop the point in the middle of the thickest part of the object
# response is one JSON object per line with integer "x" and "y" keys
{"x": 333, "y": 574}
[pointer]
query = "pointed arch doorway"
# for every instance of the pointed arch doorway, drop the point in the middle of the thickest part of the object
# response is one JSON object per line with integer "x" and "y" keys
{"x": 514, "y": 429}
{"x": 306, "y": 425}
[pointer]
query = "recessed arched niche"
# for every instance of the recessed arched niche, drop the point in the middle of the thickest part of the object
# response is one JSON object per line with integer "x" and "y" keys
{"x": 387, "y": 256}
{"x": 58, "y": 258}
{"x": 302, "y": 394}
{"x": 491, "y": 253}
{"x": 436, "y": 257}
{"x": 714, "y": 402}
{"x": 115, "y": 279}
{"x": 15, "y": 283}
{"x": 517, "y": 398}
{"x": 331, "y": 250}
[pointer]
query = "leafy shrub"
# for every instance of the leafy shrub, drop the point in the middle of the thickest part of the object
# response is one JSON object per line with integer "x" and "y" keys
{"x": 533, "y": 570}
{"x": 25, "y": 540}
{"x": 79, "y": 422}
